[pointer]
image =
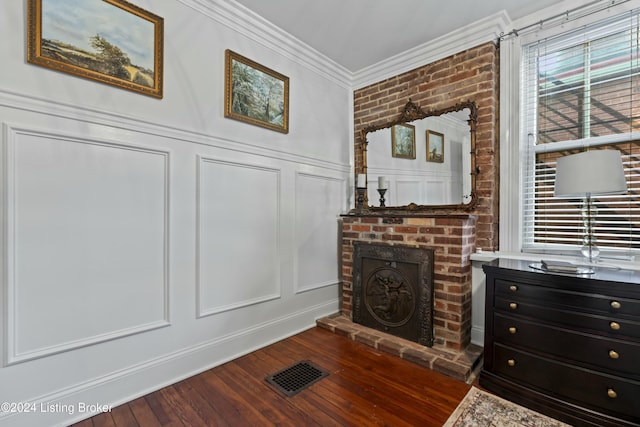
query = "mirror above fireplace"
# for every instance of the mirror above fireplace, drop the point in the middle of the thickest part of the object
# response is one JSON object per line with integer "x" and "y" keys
{"x": 425, "y": 159}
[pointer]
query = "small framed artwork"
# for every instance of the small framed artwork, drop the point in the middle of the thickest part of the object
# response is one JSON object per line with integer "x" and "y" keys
{"x": 403, "y": 141}
{"x": 109, "y": 41}
{"x": 435, "y": 147}
{"x": 255, "y": 94}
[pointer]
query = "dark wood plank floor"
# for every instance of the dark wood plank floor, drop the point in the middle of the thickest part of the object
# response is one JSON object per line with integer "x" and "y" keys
{"x": 365, "y": 387}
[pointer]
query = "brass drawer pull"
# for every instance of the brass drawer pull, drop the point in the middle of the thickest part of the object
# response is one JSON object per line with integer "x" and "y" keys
{"x": 512, "y": 330}
{"x": 612, "y": 393}
{"x": 613, "y": 354}
{"x": 513, "y": 288}
{"x": 511, "y": 362}
{"x": 513, "y": 306}
{"x": 615, "y": 304}
{"x": 615, "y": 326}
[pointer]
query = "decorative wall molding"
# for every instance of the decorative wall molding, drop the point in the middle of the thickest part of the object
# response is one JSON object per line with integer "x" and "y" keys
{"x": 12, "y": 133}
{"x": 263, "y": 32}
{"x": 130, "y": 122}
{"x": 317, "y": 207}
{"x": 242, "y": 233}
{"x": 475, "y": 34}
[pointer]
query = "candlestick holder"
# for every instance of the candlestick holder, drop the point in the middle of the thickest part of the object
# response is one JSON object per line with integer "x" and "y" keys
{"x": 360, "y": 201}
{"x": 382, "y": 191}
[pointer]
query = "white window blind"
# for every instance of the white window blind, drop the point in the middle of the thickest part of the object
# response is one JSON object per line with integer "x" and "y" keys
{"x": 581, "y": 91}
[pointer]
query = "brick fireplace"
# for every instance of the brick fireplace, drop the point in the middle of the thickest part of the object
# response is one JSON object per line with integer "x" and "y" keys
{"x": 452, "y": 238}
{"x": 468, "y": 76}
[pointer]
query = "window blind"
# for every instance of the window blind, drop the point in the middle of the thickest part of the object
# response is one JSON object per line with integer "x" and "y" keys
{"x": 581, "y": 91}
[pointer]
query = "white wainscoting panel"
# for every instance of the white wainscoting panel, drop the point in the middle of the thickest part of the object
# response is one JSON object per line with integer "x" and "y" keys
{"x": 238, "y": 248}
{"x": 87, "y": 239}
{"x": 318, "y": 198}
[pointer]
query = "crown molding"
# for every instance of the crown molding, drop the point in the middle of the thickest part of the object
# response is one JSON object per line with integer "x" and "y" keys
{"x": 479, "y": 32}
{"x": 238, "y": 18}
{"x": 251, "y": 25}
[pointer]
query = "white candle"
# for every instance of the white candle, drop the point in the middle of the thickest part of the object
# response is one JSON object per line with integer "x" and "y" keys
{"x": 362, "y": 180}
{"x": 382, "y": 183}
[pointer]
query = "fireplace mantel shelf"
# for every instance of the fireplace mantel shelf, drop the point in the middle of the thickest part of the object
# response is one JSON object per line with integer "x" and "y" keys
{"x": 407, "y": 214}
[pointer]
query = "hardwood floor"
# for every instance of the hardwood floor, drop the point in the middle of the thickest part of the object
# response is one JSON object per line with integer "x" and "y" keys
{"x": 365, "y": 387}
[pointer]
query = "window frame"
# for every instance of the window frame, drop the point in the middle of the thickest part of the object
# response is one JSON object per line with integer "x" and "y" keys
{"x": 513, "y": 150}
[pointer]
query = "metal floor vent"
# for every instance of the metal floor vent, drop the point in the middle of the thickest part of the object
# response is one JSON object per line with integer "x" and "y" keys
{"x": 296, "y": 378}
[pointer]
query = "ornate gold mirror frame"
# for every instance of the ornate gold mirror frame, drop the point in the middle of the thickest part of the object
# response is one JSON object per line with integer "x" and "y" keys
{"x": 410, "y": 113}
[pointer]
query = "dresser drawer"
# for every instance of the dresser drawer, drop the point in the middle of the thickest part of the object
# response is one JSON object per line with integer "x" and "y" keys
{"x": 610, "y": 324}
{"x": 607, "y": 354}
{"x": 606, "y": 393}
{"x": 548, "y": 296}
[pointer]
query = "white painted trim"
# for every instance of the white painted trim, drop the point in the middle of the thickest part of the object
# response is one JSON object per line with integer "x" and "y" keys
{"x": 302, "y": 289}
{"x": 511, "y": 141}
{"x": 475, "y": 34}
{"x": 203, "y": 311}
{"x": 510, "y": 184}
{"x": 248, "y": 23}
{"x": 320, "y": 285}
{"x": 7, "y": 161}
{"x": 130, "y": 122}
{"x": 154, "y": 374}
{"x": 4, "y": 240}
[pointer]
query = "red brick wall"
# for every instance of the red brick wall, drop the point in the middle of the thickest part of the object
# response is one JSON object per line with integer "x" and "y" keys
{"x": 452, "y": 238}
{"x": 471, "y": 75}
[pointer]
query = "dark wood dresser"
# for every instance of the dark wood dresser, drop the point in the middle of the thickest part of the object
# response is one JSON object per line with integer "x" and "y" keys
{"x": 563, "y": 345}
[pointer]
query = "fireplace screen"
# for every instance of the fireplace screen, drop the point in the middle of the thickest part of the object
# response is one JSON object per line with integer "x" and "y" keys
{"x": 393, "y": 290}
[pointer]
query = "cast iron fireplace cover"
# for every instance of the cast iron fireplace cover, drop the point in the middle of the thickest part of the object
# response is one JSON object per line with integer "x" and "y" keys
{"x": 393, "y": 290}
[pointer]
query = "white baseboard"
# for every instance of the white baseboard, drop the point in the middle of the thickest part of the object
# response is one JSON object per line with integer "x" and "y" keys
{"x": 65, "y": 407}
{"x": 477, "y": 336}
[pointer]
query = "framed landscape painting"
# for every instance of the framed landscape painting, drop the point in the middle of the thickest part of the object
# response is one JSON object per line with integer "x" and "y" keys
{"x": 403, "y": 141}
{"x": 109, "y": 41}
{"x": 255, "y": 94}
{"x": 435, "y": 147}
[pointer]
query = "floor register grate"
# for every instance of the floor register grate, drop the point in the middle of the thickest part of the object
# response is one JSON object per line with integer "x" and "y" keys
{"x": 296, "y": 378}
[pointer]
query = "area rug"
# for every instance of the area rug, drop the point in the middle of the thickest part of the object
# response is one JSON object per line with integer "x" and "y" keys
{"x": 481, "y": 409}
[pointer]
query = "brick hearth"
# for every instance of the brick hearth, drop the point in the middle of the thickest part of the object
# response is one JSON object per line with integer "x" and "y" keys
{"x": 458, "y": 365}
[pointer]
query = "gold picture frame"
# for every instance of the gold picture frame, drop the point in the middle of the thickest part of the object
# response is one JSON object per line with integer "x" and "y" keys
{"x": 109, "y": 41}
{"x": 255, "y": 94}
{"x": 435, "y": 147}
{"x": 403, "y": 141}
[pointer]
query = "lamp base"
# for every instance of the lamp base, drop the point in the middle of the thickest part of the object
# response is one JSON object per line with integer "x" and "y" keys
{"x": 590, "y": 253}
{"x": 589, "y": 213}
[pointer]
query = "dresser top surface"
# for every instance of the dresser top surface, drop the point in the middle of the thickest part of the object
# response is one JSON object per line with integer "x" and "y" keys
{"x": 600, "y": 274}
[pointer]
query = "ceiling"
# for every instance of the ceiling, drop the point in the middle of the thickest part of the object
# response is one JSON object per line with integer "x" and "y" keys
{"x": 360, "y": 33}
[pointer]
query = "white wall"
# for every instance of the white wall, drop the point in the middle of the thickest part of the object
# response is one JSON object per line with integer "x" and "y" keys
{"x": 146, "y": 240}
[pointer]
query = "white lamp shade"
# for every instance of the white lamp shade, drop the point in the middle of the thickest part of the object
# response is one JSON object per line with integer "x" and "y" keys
{"x": 594, "y": 172}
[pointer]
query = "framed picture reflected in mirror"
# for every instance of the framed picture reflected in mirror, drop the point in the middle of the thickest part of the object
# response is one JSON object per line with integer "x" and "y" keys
{"x": 435, "y": 147}
{"x": 403, "y": 141}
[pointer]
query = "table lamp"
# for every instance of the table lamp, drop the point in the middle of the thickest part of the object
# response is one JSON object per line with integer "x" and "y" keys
{"x": 587, "y": 174}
